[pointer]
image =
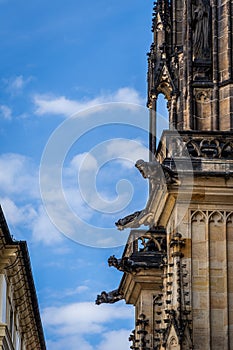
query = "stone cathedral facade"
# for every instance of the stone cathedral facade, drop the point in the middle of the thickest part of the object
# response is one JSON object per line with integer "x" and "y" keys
{"x": 178, "y": 262}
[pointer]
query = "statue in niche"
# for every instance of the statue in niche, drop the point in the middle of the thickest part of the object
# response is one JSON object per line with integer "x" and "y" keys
{"x": 201, "y": 23}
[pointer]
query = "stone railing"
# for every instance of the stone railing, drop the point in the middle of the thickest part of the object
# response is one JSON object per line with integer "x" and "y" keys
{"x": 209, "y": 145}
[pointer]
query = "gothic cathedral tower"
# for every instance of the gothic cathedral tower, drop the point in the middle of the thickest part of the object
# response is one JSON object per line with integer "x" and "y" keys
{"x": 178, "y": 272}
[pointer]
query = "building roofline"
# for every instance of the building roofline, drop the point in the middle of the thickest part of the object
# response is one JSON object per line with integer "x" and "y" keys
{"x": 27, "y": 264}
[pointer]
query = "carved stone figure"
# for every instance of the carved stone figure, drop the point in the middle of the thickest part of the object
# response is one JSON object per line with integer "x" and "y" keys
{"x": 148, "y": 169}
{"x": 108, "y": 298}
{"x": 156, "y": 172}
{"x": 201, "y": 21}
{"x": 113, "y": 261}
{"x": 126, "y": 264}
{"x": 127, "y": 219}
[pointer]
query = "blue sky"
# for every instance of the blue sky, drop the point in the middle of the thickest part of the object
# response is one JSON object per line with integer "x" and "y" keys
{"x": 59, "y": 58}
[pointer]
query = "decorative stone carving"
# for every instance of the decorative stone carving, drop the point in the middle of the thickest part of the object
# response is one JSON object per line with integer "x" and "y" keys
{"x": 173, "y": 343}
{"x": 127, "y": 219}
{"x": 149, "y": 170}
{"x": 227, "y": 150}
{"x": 203, "y": 95}
{"x": 193, "y": 149}
{"x": 203, "y": 146}
{"x": 141, "y": 324}
{"x": 156, "y": 172}
{"x": 158, "y": 175}
{"x": 201, "y": 22}
{"x": 144, "y": 251}
{"x": 135, "y": 220}
{"x": 209, "y": 216}
{"x": 199, "y": 217}
{"x": 177, "y": 243}
{"x": 151, "y": 244}
{"x": 165, "y": 85}
{"x": 210, "y": 148}
{"x": 172, "y": 310}
{"x": 132, "y": 339}
{"x": 130, "y": 265}
{"x": 113, "y": 261}
{"x": 109, "y": 298}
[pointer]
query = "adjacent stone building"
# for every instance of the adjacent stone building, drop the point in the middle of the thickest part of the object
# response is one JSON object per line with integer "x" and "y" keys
{"x": 20, "y": 323}
{"x": 178, "y": 272}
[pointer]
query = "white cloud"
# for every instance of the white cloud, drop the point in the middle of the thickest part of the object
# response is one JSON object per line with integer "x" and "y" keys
{"x": 17, "y": 84}
{"x": 115, "y": 340}
{"x": 33, "y": 218}
{"x": 75, "y": 210}
{"x": 5, "y": 112}
{"x": 83, "y": 318}
{"x": 88, "y": 161}
{"x": 73, "y": 323}
{"x": 43, "y": 230}
{"x": 75, "y": 343}
{"x": 77, "y": 290}
{"x": 17, "y": 215}
{"x": 112, "y": 340}
{"x": 47, "y": 104}
{"x": 127, "y": 95}
{"x": 18, "y": 176}
{"x": 126, "y": 151}
{"x": 20, "y": 198}
{"x": 85, "y": 168}
{"x": 50, "y": 104}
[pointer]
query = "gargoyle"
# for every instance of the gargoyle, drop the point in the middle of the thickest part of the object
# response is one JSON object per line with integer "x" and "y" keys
{"x": 113, "y": 261}
{"x": 109, "y": 298}
{"x": 149, "y": 170}
{"x": 126, "y": 264}
{"x": 156, "y": 172}
{"x": 127, "y": 219}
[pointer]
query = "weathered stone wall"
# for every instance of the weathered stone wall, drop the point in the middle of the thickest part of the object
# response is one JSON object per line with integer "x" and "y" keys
{"x": 212, "y": 251}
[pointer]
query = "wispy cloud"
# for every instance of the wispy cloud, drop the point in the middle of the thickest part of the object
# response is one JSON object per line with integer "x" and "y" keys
{"x": 127, "y": 152}
{"x": 19, "y": 176}
{"x": 20, "y": 198}
{"x": 5, "y": 112}
{"x": 17, "y": 215}
{"x": 43, "y": 230}
{"x": 83, "y": 290}
{"x": 47, "y": 104}
{"x": 87, "y": 165}
{"x": 73, "y": 341}
{"x": 16, "y": 84}
{"x": 115, "y": 340}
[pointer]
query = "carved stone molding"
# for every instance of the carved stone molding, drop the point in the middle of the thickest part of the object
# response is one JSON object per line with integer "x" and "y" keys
{"x": 203, "y": 145}
{"x": 211, "y": 216}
